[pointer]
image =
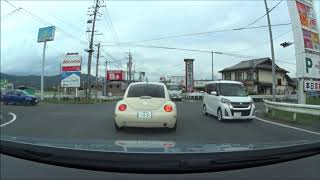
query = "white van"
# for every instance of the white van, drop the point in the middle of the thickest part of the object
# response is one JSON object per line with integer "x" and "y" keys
{"x": 175, "y": 91}
{"x": 227, "y": 100}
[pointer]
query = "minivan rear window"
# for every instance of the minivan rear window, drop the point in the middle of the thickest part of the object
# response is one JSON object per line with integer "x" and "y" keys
{"x": 153, "y": 90}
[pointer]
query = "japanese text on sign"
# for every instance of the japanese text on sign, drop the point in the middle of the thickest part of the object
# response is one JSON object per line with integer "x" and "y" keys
{"x": 312, "y": 85}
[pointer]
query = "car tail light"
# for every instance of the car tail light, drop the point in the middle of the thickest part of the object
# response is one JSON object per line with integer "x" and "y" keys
{"x": 168, "y": 108}
{"x": 122, "y": 107}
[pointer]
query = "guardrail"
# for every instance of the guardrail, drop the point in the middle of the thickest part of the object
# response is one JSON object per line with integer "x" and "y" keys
{"x": 294, "y": 108}
{"x": 288, "y": 97}
{"x": 99, "y": 98}
{"x": 199, "y": 96}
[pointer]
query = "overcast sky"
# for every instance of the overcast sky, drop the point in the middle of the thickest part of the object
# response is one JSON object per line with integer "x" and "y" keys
{"x": 140, "y": 20}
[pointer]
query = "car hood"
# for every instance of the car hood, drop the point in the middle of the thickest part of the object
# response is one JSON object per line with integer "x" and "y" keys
{"x": 174, "y": 92}
{"x": 32, "y": 96}
{"x": 149, "y": 146}
{"x": 238, "y": 98}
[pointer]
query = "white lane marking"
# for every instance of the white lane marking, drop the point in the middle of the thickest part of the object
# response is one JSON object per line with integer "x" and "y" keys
{"x": 14, "y": 117}
{"x": 287, "y": 126}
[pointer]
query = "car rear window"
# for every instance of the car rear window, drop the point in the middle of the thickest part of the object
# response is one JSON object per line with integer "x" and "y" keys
{"x": 153, "y": 90}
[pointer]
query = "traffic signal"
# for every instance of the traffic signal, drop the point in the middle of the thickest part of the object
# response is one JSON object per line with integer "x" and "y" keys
{"x": 285, "y": 44}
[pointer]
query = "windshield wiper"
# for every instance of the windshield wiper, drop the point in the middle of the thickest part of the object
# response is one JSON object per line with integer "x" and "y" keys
{"x": 147, "y": 162}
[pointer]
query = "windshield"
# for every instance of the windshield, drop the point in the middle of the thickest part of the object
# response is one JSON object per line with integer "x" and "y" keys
{"x": 174, "y": 87}
{"x": 24, "y": 93}
{"x": 228, "y": 89}
{"x": 166, "y": 76}
{"x": 152, "y": 90}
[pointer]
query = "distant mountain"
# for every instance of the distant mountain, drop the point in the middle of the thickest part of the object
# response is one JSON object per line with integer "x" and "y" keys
{"x": 34, "y": 81}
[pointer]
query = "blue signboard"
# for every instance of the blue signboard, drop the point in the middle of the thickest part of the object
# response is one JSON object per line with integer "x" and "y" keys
{"x": 46, "y": 34}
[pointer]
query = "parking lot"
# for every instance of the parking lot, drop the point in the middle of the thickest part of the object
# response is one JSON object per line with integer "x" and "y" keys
{"x": 96, "y": 122}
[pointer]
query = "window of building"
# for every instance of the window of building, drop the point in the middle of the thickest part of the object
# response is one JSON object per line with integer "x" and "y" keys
{"x": 238, "y": 76}
{"x": 249, "y": 75}
{"x": 279, "y": 82}
{"x": 227, "y": 76}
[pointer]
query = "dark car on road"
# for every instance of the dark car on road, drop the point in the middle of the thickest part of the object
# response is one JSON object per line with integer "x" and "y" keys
{"x": 19, "y": 97}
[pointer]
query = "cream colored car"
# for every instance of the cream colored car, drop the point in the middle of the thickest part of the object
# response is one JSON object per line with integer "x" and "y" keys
{"x": 146, "y": 104}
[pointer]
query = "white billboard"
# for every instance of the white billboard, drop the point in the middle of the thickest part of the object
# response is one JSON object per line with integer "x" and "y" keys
{"x": 305, "y": 29}
{"x": 71, "y": 62}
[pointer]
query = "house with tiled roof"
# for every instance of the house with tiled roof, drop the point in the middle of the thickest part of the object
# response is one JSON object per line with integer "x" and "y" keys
{"x": 256, "y": 75}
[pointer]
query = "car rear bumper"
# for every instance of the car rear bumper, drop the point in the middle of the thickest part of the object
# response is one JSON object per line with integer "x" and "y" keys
{"x": 157, "y": 120}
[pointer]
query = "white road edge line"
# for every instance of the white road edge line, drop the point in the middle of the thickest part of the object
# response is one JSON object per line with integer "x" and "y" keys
{"x": 14, "y": 117}
{"x": 287, "y": 126}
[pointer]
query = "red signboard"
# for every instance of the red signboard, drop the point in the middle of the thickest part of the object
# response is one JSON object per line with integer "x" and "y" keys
{"x": 71, "y": 68}
{"x": 115, "y": 75}
{"x": 71, "y": 62}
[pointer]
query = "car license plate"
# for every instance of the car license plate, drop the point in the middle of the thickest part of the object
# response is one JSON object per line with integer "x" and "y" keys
{"x": 145, "y": 115}
{"x": 237, "y": 114}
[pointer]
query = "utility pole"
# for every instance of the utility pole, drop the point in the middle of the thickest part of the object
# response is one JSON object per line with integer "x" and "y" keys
{"x": 130, "y": 67}
{"x": 272, "y": 55}
{"x": 134, "y": 71}
{"x": 105, "y": 80}
{"x": 90, "y": 50}
{"x": 97, "y": 72}
{"x": 212, "y": 64}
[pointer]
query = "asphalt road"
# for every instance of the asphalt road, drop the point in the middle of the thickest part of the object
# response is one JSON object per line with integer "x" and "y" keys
{"x": 95, "y": 122}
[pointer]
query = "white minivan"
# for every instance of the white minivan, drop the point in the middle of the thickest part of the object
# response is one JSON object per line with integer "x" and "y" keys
{"x": 227, "y": 100}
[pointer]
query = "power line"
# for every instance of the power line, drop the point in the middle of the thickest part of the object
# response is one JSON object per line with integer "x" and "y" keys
{"x": 258, "y": 19}
{"x": 201, "y": 51}
{"x": 42, "y": 21}
{"x": 114, "y": 32}
{"x": 9, "y": 14}
{"x": 263, "y": 43}
{"x": 180, "y": 49}
{"x": 203, "y": 33}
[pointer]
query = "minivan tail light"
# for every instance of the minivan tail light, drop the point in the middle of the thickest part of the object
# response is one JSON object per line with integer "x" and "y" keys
{"x": 168, "y": 108}
{"x": 122, "y": 107}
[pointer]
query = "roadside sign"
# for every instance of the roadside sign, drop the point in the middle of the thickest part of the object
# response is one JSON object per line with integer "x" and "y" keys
{"x": 70, "y": 79}
{"x": 71, "y": 62}
{"x": 115, "y": 75}
{"x": 312, "y": 86}
{"x": 46, "y": 34}
{"x": 189, "y": 74}
{"x": 306, "y": 32}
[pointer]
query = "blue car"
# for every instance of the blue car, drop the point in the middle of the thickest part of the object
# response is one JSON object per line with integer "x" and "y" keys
{"x": 19, "y": 97}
